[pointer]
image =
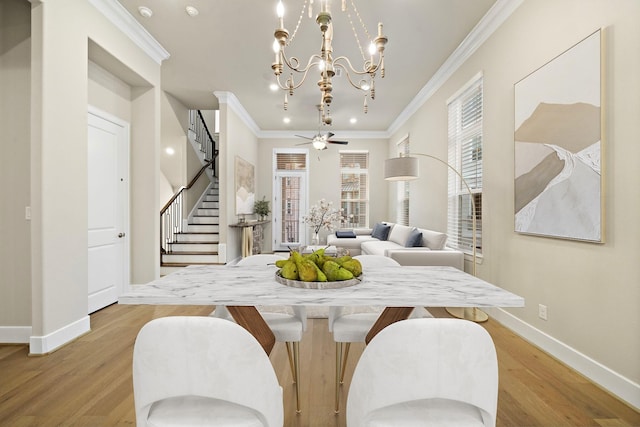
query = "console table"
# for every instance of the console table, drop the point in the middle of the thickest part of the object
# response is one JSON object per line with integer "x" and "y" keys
{"x": 252, "y": 236}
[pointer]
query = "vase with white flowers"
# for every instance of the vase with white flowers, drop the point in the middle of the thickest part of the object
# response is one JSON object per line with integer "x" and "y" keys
{"x": 322, "y": 215}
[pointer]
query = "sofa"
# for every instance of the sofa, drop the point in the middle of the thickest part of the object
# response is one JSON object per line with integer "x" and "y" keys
{"x": 405, "y": 244}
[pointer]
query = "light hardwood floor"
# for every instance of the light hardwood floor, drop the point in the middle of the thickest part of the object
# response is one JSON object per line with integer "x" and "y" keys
{"x": 88, "y": 382}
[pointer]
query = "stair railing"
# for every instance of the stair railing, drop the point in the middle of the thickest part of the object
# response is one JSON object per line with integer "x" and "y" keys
{"x": 172, "y": 214}
{"x": 206, "y": 143}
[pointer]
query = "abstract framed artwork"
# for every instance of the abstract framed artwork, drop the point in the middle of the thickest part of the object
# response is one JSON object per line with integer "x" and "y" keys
{"x": 245, "y": 186}
{"x": 558, "y": 146}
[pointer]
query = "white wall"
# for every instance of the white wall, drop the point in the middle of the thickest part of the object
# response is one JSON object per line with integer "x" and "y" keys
{"x": 236, "y": 139}
{"x": 591, "y": 290}
{"x": 59, "y": 76}
{"x": 15, "y": 169}
{"x": 174, "y": 125}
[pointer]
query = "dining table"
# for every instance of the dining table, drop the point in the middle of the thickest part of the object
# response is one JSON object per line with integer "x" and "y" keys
{"x": 399, "y": 289}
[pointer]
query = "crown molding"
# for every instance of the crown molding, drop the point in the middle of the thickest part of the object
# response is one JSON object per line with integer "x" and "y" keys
{"x": 122, "y": 19}
{"x": 490, "y": 22}
{"x": 350, "y": 134}
{"x": 225, "y": 97}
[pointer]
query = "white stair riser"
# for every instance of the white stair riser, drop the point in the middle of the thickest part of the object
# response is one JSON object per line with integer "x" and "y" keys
{"x": 210, "y": 205}
{"x": 194, "y": 247}
{"x": 205, "y": 220}
{"x": 208, "y": 212}
{"x": 211, "y": 198}
{"x": 185, "y": 259}
{"x": 208, "y": 237}
{"x": 202, "y": 228}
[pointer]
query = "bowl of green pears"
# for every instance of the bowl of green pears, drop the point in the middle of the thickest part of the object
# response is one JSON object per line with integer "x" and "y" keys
{"x": 318, "y": 271}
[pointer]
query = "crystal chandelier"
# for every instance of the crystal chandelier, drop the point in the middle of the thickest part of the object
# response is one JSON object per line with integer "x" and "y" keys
{"x": 363, "y": 79}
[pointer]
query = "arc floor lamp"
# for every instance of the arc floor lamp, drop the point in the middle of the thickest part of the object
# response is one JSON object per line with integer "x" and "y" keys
{"x": 406, "y": 168}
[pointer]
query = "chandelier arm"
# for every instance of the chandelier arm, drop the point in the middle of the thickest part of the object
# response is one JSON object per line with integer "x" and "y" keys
{"x": 371, "y": 69}
{"x": 295, "y": 86}
{"x": 356, "y": 86}
{"x": 294, "y": 63}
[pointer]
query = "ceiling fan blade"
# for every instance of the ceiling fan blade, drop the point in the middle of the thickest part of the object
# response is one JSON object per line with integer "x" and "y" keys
{"x": 338, "y": 142}
{"x": 305, "y": 137}
{"x": 330, "y": 134}
{"x": 305, "y": 143}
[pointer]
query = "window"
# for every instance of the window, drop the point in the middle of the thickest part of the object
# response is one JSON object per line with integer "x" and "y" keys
{"x": 289, "y": 196}
{"x": 402, "y": 211}
{"x": 354, "y": 192}
{"x": 465, "y": 155}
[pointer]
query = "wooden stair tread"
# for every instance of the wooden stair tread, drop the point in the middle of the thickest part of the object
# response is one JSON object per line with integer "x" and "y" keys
{"x": 211, "y": 242}
{"x": 184, "y": 264}
{"x": 197, "y": 232}
{"x": 189, "y": 253}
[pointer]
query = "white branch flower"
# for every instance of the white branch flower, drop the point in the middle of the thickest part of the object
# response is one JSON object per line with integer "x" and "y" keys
{"x": 323, "y": 215}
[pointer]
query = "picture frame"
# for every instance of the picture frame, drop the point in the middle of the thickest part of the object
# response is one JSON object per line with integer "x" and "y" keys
{"x": 558, "y": 146}
{"x": 245, "y": 186}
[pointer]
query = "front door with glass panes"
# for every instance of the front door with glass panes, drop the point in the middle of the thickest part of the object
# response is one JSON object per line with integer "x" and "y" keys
{"x": 289, "y": 198}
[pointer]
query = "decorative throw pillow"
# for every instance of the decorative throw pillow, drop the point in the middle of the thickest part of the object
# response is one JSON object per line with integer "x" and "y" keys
{"x": 381, "y": 231}
{"x": 414, "y": 240}
{"x": 346, "y": 234}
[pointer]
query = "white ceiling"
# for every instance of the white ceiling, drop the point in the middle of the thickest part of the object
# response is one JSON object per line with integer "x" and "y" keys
{"x": 227, "y": 47}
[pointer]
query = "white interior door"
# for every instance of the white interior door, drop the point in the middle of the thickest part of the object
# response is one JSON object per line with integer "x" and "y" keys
{"x": 108, "y": 176}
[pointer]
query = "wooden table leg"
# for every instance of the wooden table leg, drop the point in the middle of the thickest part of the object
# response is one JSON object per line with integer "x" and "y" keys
{"x": 388, "y": 316}
{"x": 249, "y": 318}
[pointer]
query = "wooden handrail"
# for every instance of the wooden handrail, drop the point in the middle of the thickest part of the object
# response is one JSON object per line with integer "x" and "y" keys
{"x": 188, "y": 186}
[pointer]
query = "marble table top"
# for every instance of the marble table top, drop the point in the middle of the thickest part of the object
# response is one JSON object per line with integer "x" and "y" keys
{"x": 394, "y": 286}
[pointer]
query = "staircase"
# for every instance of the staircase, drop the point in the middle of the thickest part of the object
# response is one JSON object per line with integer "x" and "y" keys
{"x": 199, "y": 239}
{"x": 194, "y": 240}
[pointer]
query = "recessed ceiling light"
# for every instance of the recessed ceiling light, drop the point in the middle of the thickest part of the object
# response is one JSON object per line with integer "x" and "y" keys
{"x": 191, "y": 11}
{"x": 145, "y": 11}
{"x": 273, "y": 87}
{"x": 170, "y": 151}
{"x": 286, "y": 120}
{"x": 353, "y": 120}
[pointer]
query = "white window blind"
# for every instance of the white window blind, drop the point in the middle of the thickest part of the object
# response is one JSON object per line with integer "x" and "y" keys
{"x": 465, "y": 155}
{"x": 291, "y": 161}
{"x": 403, "y": 190}
{"x": 354, "y": 192}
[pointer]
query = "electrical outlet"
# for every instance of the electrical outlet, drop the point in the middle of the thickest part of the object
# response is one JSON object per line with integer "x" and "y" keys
{"x": 27, "y": 212}
{"x": 542, "y": 311}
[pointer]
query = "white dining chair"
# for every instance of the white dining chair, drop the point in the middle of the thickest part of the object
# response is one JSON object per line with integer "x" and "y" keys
{"x": 197, "y": 371}
{"x": 422, "y": 372}
{"x": 288, "y": 326}
{"x": 350, "y": 324}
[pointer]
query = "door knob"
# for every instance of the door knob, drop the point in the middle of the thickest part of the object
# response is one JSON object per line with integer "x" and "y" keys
{"x": 121, "y": 235}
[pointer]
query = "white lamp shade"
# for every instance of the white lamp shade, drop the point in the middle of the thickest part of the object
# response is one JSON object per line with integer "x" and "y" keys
{"x": 401, "y": 169}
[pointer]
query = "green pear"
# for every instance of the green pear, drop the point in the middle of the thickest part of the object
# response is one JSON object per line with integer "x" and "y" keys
{"x": 307, "y": 270}
{"x": 354, "y": 266}
{"x": 289, "y": 271}
{"x": 330, "y": 268}
{"x": 343, "y": 259}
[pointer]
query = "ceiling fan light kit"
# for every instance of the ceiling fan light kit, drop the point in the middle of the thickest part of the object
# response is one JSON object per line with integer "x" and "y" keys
{"x": 320, "y": 141}
{"x": 373, "y": 60}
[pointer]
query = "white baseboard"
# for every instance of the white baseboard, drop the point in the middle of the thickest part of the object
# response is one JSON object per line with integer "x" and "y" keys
{"x": 48, "y": 343}
{"x": 616, "y": 384}
{"x": 15, "y": 334}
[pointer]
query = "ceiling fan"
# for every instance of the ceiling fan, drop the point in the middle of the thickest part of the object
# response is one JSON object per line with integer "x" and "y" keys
{"x": 320, "y": 141}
